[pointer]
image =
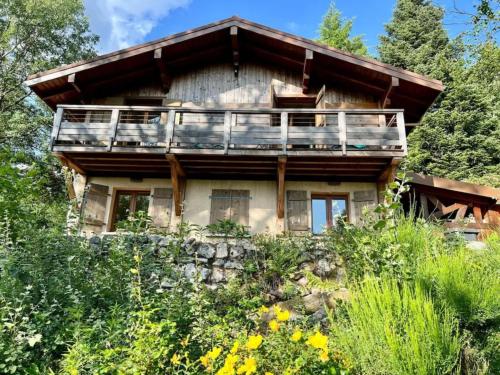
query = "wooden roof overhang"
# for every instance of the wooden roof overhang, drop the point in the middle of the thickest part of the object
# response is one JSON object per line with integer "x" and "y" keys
{"x": 450, "y": 191}
{"x": 236, "y": 40}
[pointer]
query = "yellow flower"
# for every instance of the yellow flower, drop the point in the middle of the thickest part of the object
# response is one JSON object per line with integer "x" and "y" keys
{"x": 254, "y": 342}
{"x": 214, "y": 353}
{"x": 318, "y": 341}
{"x": 297, "y": 335}
{"x": 323, "y": 356}
{"x": 204, "y": 360}
{"x": 228, "y": 368}
{"x": 249, "y": 367}
{"x": 175, "y": 359}
{"x": 263, "y": 310}
{"x": 185, "y": 341}
{"x": 268, "y": 373}
{"x": 235, "y": 347}
{"x": 281, "y": 315}
{"x": 274, "y": 325}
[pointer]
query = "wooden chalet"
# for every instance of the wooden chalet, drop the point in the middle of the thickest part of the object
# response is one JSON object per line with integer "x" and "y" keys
{"x": 232, "y": 120}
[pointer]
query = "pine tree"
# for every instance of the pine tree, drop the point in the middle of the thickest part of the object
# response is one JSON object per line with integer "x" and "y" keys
{"x": 416, "y": 39}
{"x": 335, "y": 31}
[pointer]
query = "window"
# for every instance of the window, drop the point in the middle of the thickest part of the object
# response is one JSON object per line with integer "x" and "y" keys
{"x": 327, "y": 210}
{"x": 128, "y": 203}
{"x": 230, "y": 205}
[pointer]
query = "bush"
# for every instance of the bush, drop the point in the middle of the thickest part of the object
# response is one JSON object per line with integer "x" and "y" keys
{"x": 392, "y": 329}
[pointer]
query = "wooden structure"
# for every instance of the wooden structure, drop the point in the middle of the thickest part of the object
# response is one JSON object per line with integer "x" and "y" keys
{"x": 463, "y": 206}
{"x": 233, "y": 100}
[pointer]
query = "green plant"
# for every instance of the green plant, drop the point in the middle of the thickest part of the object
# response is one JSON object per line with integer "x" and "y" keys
{"x": 228, "y": 228}
{"x": 393, "y": 329}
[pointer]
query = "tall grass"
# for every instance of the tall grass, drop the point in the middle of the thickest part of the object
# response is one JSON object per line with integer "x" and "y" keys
{"x": 392, "y": 329}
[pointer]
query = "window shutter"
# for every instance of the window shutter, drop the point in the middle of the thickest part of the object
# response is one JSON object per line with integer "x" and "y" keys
{"x": 161, "y": 207}
{"x": 240, "y": 206}
{"x": 221, "y": 205}
{"x": 297, "y": 210}
{"x": 94, "y": 208}
{"x": 361, "y": 199}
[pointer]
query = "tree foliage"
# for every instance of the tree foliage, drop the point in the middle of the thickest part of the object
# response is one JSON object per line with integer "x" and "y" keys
{"x": 458, "y": 137}
{"x": 335, "y": 31}
{"x": 35, "y": 35}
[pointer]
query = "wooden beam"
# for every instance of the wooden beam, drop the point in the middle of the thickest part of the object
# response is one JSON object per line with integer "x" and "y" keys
{"x": 233, "y": 31}
{"x": 306, "y": 74}
{"x": 281, "y": 186}
{"x": 165, "y": 74}
{"x": 68, "y": 162}
{"x": 177, "y": 175}
{"x": 394, "y": 83}
{"x": 387, "y": 176}
{"x": 478, "y": 215}
{"x": 72, "y": 82}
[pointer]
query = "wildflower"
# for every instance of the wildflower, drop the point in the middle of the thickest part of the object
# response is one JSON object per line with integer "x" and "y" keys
{"x": 204, "y": 360}
{"x": 262, "y": 310}
{"x": 297, "y": 335}
{"x": 274, "y": 325}
{"x": 254, "y": 342}
{"x": 214, "y": 353}
{"x": 235, "y": 347}
{"x": 175, "y": 359}
{"x": 185, "y": 342}
{"x": 281, "y": 315}
{"x": 268, "y": 373}
{"x": 323, "y": 356}
{"x": 249, "y": 367}
{"x": 318, "y": 341}
{"x": 228, "y": 368}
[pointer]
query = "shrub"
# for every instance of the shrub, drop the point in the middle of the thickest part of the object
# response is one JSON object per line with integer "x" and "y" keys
{"x": 392, "y": 329}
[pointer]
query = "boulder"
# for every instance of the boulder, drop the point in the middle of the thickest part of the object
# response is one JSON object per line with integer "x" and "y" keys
{"x": 206, "y": 250}
{"x": 221, "y": 250}
{"x": 237, "y": 251}
{"x": 233, "y": 265}
{"x": 324, "y": 268}
{"x": 218, "y": 275}
{"x": 190, "y": 271}
{"x": 313, "y": 302}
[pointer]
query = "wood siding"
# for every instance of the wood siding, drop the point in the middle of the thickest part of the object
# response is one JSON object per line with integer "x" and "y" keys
{"x": 216, "y": 86}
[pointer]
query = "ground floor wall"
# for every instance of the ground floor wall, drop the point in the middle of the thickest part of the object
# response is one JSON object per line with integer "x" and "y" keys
{"x": 197, "y": 204}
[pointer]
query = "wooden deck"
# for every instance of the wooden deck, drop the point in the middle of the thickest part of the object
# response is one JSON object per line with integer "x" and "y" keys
{"x": 120, "y": 139}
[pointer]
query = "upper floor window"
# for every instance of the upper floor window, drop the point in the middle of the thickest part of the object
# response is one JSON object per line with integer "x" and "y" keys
{"x": 327, "y": 210}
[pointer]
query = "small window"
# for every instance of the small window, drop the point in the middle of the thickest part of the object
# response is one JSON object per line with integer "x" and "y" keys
{"x": 128, "y": 203}
{"x": 230, "y": 205}
{"x": 327, "y": 210}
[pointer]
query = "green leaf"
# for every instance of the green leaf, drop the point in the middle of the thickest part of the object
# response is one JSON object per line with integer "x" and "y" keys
{"x": 33, "y": 340}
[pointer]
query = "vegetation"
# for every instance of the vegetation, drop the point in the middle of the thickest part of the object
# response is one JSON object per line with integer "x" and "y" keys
{"x": 335, "y": 31}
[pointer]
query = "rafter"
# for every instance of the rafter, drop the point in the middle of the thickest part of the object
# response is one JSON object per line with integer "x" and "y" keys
{"x": 68, "y": 162}
{"x": 235, "y": 49}
{"x": 165, "y": 75}
{"x": 281, "y": 186}
{"x": 386, "y": 100}
{"x": 306, "y": 73}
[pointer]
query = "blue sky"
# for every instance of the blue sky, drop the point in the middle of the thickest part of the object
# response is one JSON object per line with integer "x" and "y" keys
{"x": 121, "y": 23}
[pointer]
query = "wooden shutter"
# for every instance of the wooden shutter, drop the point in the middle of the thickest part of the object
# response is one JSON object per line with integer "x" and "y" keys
{"x": 161, "y": 207}
{"x": 94, "y": 207}
{"x": 361, "y": 199}
{"x": 298, "y": 219}
{"x": 221, "y": 205}
{"x": 240, "y": 206}
{"x": 230, "y": 204}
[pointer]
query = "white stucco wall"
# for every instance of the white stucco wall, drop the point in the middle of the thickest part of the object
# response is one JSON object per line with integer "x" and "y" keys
{"x": 262, "y": 205}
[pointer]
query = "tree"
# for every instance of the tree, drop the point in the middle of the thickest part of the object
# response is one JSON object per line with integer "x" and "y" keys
{"x": 35, "y": 35}
{"x": 416, "y": 39}
{"x": 335, "y": 31}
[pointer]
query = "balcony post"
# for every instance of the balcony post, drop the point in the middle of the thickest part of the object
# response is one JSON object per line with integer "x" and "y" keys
{"x": 343, "y": 132}
{"x": 115, "y": 114}
{"x": 55, "y": 128}
{"x": 227, "y": 131}
{"x": 284, "y": 131}
{"x": 400, "y": 121}
{"x": 170, "y": 129}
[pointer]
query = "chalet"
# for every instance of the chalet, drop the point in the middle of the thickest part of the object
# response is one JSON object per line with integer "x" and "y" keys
{"x": 232, "y": 120}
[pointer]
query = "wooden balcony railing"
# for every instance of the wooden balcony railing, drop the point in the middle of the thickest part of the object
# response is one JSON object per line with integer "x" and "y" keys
{"x": 91, "y": 128}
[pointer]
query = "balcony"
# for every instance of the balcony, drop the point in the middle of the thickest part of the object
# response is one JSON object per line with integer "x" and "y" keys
{"x": 119, "y": 139}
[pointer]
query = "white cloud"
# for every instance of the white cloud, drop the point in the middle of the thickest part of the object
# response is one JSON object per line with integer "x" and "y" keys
{"x": 122, "y": 23}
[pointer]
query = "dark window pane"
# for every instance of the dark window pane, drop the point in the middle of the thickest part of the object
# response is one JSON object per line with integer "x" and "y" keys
{"x": 142, "y": 203}
{"x": 122, "y": 207}
{"x": 319, "y": 219}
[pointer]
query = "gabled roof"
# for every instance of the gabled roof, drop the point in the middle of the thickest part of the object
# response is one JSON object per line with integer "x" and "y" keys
{"x": 238, "y": 40}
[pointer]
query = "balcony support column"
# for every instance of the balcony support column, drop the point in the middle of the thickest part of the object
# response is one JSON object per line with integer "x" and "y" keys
{"x": 281, "y": 187}
{"x": 386, "y": 177}
{"x": 178, "y": 177}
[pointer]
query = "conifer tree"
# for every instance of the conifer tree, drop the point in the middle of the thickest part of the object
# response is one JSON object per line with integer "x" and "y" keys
{"x": 335, "y": 31}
